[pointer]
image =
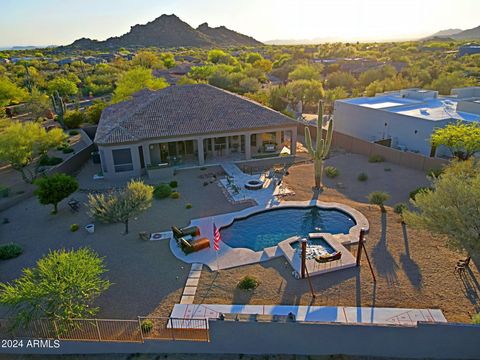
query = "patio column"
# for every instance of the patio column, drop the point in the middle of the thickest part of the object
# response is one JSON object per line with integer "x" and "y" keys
{"x": 201, "y": 157}
{"x": 146, "y": 154}
{"x": 293, "y": 142}
{"x": 248, "y": 147}
{"x": 278, "y": 139}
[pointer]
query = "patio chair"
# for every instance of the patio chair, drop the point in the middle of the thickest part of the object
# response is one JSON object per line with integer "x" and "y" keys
{"x": 74, "y": 204}
{"x": 462, "y": 265}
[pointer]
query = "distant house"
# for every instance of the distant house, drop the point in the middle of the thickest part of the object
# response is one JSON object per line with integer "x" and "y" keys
{"x": 358, "y": 65}
{"x": 187, "y": 125}
{"x": 92, "y": 60}
{"x": 469, "y": 49}
{"x": 407, "y": 118}
{"x": 66, "y": 61}
{"x": 4, "y": 61}
{"x": 108, "y": 57}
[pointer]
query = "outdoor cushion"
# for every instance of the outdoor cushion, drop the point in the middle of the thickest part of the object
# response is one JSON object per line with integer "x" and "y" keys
{"x": 177, "y": 233}
{"x": 192, "y": 230}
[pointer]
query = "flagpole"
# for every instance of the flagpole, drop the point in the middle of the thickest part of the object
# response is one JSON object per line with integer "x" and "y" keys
{"x": 216, "y": 251}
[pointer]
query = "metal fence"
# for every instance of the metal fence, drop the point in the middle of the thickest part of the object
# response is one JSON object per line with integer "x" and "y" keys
{"x": 111, "y": 330}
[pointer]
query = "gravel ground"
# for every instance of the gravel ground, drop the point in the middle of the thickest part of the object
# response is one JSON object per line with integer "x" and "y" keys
{"x": 147, "y": 278}
{"x": 414, "y": 269}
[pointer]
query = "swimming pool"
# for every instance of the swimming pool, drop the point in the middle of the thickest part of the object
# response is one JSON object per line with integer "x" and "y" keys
{"x": 268, "y": 228}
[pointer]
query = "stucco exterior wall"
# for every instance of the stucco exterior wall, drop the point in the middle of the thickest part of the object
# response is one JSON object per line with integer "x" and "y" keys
{"x": 373, "y": 124}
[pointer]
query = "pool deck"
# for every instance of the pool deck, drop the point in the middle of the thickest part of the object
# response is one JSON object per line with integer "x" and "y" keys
{"x": 325, "y": 314}
{"x": 228, "y": 257}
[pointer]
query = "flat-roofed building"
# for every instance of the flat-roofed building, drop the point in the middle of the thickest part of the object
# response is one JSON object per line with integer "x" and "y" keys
{"x": 407, "y": 118}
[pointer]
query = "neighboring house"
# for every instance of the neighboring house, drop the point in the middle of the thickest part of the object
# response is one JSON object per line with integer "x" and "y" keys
{"x": 188, "y": 125}
{"x": 469, "y": 49}
{"x": 407, "y": 118}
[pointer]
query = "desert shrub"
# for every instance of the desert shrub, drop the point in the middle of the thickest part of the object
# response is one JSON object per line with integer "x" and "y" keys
{"x": 434, "y": 172}
{"x": 74, "y": 227}
{"x": 10, "y": 251}
{"x": 73, "y": 119}
{"x": 417, "y": 191}
{"x": 173, "y": 184}
{"x": 247, "y": 283}
{"x": 362, "y": 177}
{"x": 476, "y": 319}
{"x": 175, "y": 195}
{"x": 4, "y": 191}
{"x": 400, "y": 208}
{"x": 147, "y": 326}
{"x": 162, "y": 191}
{"x": 331, "y": 172}
{"x": 73, "y": 132}
{"x": 188, "y": 206}
{"x": 378, "y": 198}
{"x": 50, "y": 160}
{"x": 67, "y": 150}
{"x": 376, "y": 158}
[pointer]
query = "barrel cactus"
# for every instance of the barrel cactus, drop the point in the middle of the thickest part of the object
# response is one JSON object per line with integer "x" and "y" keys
{"x": 320, "y": 152}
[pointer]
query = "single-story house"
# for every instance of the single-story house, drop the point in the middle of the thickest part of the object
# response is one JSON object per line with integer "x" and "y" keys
{"x": 188, "y": 125}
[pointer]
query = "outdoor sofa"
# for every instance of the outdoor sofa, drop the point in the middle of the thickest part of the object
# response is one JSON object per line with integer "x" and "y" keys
{"x": 188, "y": 239}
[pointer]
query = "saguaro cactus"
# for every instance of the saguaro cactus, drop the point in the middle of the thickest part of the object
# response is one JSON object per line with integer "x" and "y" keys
{"x": 58, "y": 107}
{"x": 320, "y": 152}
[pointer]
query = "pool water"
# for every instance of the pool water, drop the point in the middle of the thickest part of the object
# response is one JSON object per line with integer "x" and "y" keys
{"x": 268, "y": 228}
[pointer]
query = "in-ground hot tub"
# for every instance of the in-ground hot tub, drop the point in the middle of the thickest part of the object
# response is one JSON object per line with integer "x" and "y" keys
{"x": 254, "y": 185}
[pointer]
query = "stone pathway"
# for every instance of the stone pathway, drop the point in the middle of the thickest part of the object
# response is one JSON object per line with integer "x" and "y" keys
{"x": 191, "y": 285}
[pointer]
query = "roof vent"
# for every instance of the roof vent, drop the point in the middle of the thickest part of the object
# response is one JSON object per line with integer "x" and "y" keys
{"x": 424, "y": 111}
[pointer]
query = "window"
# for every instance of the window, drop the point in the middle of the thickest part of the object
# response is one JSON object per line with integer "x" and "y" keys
{"x": 253, "y": 140}
{"x": 122, "y": 160}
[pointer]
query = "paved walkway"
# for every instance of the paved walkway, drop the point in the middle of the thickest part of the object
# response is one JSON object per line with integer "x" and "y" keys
{"x": 335, "y": 314}
{"x": 190, "y": 288}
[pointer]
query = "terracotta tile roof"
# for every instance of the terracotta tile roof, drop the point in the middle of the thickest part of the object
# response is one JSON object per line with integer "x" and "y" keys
{"x": 183, "y": 110}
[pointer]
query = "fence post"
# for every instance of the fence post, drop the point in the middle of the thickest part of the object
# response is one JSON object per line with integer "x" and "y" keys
{"x": 141, "y": 330}
{"x": 56, "y": 329}
{"x": 170, "y": 320}
{"x": 98, "y": 330}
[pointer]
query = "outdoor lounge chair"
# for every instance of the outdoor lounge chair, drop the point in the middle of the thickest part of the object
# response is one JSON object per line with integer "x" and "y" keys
{"x": 329, "y": 257}
{"x": 462, "y": 265}
{"x": 194, "y": 245}
{"x": 192, "y": 231}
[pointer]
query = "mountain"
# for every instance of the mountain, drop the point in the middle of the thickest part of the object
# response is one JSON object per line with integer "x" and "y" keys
{"x": 226, "y": 37}
{"x": 168, "y": 31}
{"x": 469, "y": 34}
{"x": 445, "y": 33}
{"x": 457, "y": 34}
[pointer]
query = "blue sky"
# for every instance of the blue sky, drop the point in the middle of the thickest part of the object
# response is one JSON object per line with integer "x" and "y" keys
{"x": 56, "y": 22}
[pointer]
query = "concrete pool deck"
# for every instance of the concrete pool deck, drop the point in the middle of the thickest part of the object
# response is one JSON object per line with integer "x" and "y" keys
{"x": 228, "y": 257}
{"x": 335, "y": 314}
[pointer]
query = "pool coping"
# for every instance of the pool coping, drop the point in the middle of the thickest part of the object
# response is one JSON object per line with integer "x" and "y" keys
{"x": 228, "y": 257}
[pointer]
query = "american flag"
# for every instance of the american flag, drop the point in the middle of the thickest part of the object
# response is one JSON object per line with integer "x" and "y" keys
{"x": 216, "y": 238}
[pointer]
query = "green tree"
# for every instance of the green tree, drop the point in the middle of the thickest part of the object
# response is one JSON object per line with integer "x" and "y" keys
{"x": 120, "y": 206}
{"x": 306, "y": 91}
{"x": 451, "y": 207}
{"x": 463, "y": 140}
{"x": 135, "y": 80}
{"x": 94, "y": 112}
{"x": 54, "y": 188}
{"x": 62, "y": 286}
{"x": 21, "y": 145}
{"x": 74, "y": 118}
{"x": 217, "y": 56}
{"x": 447, "y": 81}
{"x": 341, "y": 79}
{"x": 9, "y": 92}
{"x": 63, "y": 85}
{"x": 37, "y": 104}
{"x": 306, "y": 72}
{"x": 252, "y": 57}
{"x": 148, "y": 59}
